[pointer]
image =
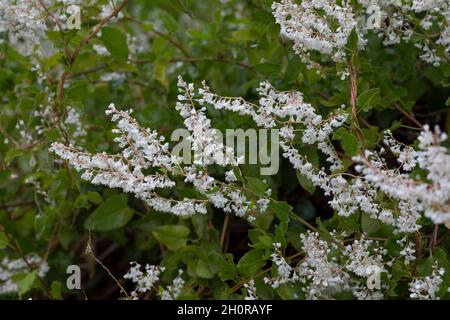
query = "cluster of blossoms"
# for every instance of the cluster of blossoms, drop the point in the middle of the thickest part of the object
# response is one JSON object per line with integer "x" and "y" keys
{"x": 330, "y": 268}
{"x": 143, "y": 149}
{"x": 427, "y": 288}
{"x": 429, "y": 194}
{"x": 289, "y": 109}
{"x": 399, "y": 20}
{"x": 70, "y": 122}
{"x": 24, "y": 24}
{"x": 398, "y": 196}
{"x": 10, "y": 268}
{"x": 322, "y": 26}
{"x": 325, "y": 26}
{"x": 146, "y": 281}
{"x": 173, "y": 291}
{"x": 251, "y": 290}
{"x": 415, "y": 194}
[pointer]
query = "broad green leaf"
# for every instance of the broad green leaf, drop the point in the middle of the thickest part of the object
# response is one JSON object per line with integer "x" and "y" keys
{"x": 352, "y": 41}
{"x": 369, "y": 225}
{"x": 112, "y": 214}
{"x": 173, "y": 237}
{"x": 368, "y": 99}
{"x": 257, "y": 186}
{"x": 13, "y": 153}
{"x": 251, "y": 262}
{"x": 281, "y": 209}
{"x": 94, "y": 197}
{"x": 305, "y": 183}
{"x": 25, "y": 284}
{"x": 3, "y": 240}
{"x": 350, "y": 144}
{"x": 202, "y": 270}
{"x": 116, "y": 43}
{"x": 269, "y": 69}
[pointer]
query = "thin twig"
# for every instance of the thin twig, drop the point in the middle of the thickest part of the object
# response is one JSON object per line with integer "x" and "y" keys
{"x": 89, "y": 251}
{"x": 408, "y": 115}
{"x": 224, "y": 230}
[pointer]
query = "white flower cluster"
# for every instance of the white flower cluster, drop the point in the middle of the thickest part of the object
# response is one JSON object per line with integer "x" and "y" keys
{"x": 12, "y": 267}
{"x": 172, "y": 291}
{"x": 429, "y": 195}
{"x": 23, "y": 22}
{"x": 427, "y": 288}
{"x": 414, "y": 196}
{"x": 73, "y": 119}
{"x": 399, "y": 20}
{"x": 145, "y": 281}
{"x": 143, "y": 150}
{"x": 328, "y": 269}
{"x": 251, "y": 290}
{"x": 289, "y": 109}
{"x": 285, "y": 273}
{"x": 324, "y": 26}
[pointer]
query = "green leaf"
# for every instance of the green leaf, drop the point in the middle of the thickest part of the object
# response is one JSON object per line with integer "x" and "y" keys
{"x": 82, "y": 202}
{"x": 116, "y": 43}
{"x": 269, "y": 69}
{"x": 281, "y": 209}
{"x": 24, "y": 284}
{"x": 202, "y": 270}
{"x": 349, "y": 143}
{"x": 173, "y": 237}
{"x": 3, "y": 240}
{"x": 368, "y": 99}
{"x": 161, "y": 74}
{"x": 242, "y": 35}
{"x": 369, "y": 225}
{"x": 55, "y": 290}
{"x": 12, "y": 154}
{"x": 251, "y": 262}
{"x": 94, "y": 197}
{"x": 305, "y": 183}
{"x": 112, "y": 214}
{"x": 399, "y": 271}
{"x": 352, "y": 41}
{"x": 257, "y": 186}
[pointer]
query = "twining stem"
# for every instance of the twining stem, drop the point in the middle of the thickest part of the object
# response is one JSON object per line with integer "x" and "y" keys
{"x": 408, "y": 115}
{"x": 224, "y": 230}
{"x": 353, "y": 96}
{"x": 89, "y": 251}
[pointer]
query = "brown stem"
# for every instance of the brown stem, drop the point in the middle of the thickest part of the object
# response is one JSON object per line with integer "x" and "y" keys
{"x": 408, "y": 115}
{"x": 353, "y": 97}
{"x": 224, "y": 230}
{"x": 17, "y": 204}
{"x": 91, "y": 253}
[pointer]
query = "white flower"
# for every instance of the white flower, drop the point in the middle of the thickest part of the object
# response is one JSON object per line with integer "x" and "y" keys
{"x": 426, "y": 288}
{"x": 172, "y": 291}
{"x": 145, "y": 281}
{"x": 9, "y": 268}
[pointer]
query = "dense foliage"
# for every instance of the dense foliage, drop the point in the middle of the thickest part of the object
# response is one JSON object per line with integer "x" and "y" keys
{"x": 357, "y": 89}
